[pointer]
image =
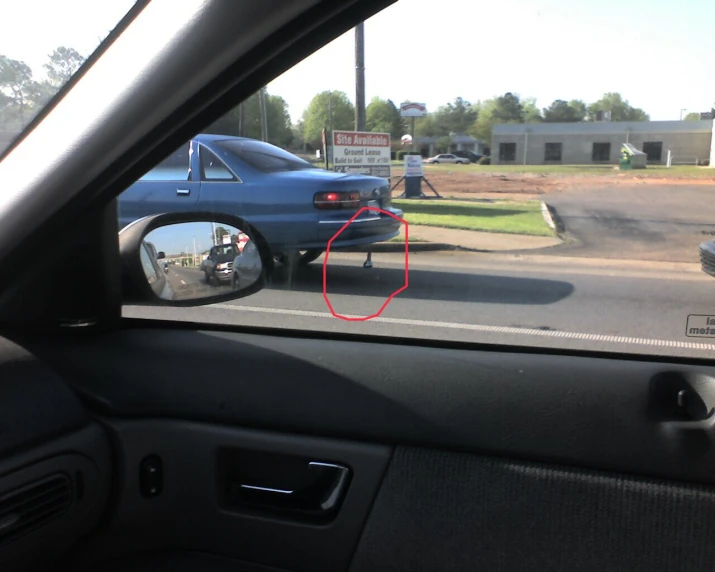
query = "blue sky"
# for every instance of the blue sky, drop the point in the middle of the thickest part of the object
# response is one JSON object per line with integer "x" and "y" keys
{"x": 178, "y": 238}
{"x": 656, "y": 53}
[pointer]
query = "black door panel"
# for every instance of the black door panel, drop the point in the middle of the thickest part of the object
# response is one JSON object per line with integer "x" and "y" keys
{"x": 566, "y": 462}
{"x": 589, "y": 412}
{"x": 449, "y": 511}
{"x": 191, "y": 513}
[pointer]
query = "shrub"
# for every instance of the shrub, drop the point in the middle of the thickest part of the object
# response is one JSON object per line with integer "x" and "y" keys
{"x": 485, "y": 161}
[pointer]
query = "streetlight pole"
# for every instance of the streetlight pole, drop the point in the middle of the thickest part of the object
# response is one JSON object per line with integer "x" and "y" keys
{"x": 681, "y": 113}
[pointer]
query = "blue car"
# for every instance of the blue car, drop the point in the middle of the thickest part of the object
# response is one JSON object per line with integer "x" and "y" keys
{"x": 297, "y": 206}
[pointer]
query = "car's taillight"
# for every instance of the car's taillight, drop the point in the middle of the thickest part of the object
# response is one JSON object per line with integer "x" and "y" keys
{"x": 337, "y": 200}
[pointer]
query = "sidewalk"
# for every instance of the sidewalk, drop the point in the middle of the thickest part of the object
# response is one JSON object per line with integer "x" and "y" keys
{"x": 475, "y": 240}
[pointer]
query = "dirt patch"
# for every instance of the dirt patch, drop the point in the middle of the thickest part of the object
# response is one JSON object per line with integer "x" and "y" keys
{"x": 514, "y": 186}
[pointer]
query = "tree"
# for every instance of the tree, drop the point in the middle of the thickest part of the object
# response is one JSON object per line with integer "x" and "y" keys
{"x": 220, "y": 233}
{"x": 455, "y": 117}
{"x": 532, "y": 114}
{"x": 327, "y": 110}
{"x": 580, "y": 107}
{"x": 64, "y": 62}
{"x": 17, "y": 84}
{"x": 278, "y": 119}
{"x": 503, "y": 109}
{"x": 561, "y": 111}
{"x": 692, "y": 117}
{"x": 383, "y": 116}
{"x": 620, "y": 109}
{"x": 427, "y": 126}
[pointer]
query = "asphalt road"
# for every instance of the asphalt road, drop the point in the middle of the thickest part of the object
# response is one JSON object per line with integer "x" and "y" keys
{"x": 546, "y": 301}
{"x": 642, "y": 222}
{"x": 189, "y": 283}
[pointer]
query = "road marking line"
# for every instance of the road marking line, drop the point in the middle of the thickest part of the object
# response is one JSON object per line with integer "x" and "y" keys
{"x": 481, "y": 328}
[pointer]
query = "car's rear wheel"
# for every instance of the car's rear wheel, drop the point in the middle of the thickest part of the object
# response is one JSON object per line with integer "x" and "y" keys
{"x": 308, "y": 256}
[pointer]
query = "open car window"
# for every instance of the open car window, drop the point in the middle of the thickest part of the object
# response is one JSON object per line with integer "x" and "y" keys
{"x": 572, "y": 212}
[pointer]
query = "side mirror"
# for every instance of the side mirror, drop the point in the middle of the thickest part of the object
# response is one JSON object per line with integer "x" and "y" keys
{"x": 184, "y": 239}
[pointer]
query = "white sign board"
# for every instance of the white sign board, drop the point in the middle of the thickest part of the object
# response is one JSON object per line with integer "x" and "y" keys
{"x": 226, "y": 239}
{"x": 410, "y": 109}
{"x": 363, "y": 153}
{"x": 413, "y": 166}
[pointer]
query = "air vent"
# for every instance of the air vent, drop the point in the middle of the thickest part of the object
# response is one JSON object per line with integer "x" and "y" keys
{"x": 32, "y": 506}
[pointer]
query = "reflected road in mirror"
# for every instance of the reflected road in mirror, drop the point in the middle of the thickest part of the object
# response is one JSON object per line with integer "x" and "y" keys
{"x": 199, "y": 260}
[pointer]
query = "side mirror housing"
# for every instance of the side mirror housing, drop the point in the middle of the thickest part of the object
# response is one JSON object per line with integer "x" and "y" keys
{"x": 180, "y": 239}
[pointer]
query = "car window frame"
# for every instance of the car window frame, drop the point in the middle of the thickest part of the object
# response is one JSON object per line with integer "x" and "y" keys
{"x": 202, "y": 174}
{"x": 190, "y": 172}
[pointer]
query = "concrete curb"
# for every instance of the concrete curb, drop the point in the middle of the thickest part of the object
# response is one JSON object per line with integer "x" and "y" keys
{"x": 547, "y": 216}
{"x": 553, "y": 220}
{"x": 400, "y": 247}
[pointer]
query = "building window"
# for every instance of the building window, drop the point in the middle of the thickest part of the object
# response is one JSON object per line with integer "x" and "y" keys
{"x": 507, "y": 152}
{"x": 601, "y": 152}
{"x": 552, "y": 152}
{"x": 654, "y": 150}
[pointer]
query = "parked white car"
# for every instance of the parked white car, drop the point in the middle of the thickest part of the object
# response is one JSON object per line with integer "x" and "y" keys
{"x": 447, "y": 158}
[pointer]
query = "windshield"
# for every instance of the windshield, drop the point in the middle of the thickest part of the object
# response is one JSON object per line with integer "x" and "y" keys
{"x": 263, "y": 156}
{"x": 553, "y": 192}
{"x": 227, "y": 252}
{"x": 39, "y": 54}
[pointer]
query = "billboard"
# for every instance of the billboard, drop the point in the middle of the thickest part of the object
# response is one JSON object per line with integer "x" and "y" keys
{"x": 363, "y": 153}
{"x": 411, "y": 109}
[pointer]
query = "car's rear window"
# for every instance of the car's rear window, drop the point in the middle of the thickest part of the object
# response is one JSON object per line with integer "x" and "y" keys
{"x": 264, "y": 157}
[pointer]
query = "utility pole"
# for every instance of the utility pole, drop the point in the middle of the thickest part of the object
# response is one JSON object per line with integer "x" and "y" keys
{"x": 264, "y": 114}
{"x": 330, "y": 112}
{"x": 360, "y": 77}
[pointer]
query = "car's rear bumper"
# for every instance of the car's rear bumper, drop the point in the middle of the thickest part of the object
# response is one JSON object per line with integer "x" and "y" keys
{"x": 373, "y": 227}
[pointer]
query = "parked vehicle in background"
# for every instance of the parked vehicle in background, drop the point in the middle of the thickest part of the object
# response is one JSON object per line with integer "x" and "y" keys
{"x": 447, "y": 158}
{"x": 219, "y": 264}
{"x": 707, "y": 257}
{"x": 471, "y": 156}
{"x": 297, "y": 206}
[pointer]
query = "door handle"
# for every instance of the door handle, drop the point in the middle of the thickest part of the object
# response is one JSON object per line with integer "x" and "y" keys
{"x": 316, "y": 495}
{"x": 183, "y": 192}
{"x": 707, "y": 424}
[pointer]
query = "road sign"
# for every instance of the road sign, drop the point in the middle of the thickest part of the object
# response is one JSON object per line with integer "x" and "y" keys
{"x": 363, "y": 153}
{"x": 411, "y": 109}
{"x": 413, "y": 166}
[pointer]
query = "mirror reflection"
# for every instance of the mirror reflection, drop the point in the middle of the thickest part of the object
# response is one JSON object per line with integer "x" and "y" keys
{"x": 199, "y": 260}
